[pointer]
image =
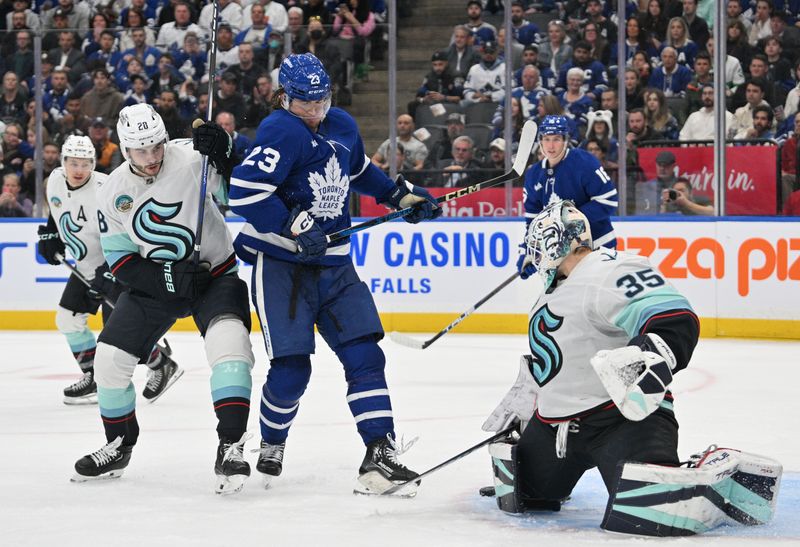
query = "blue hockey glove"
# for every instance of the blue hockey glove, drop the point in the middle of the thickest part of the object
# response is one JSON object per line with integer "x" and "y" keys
{"x": 525, "y": 265}
{"x": 102, "y": 284}
{"x": 408, "y": 195}
{"x": 311, "y": 240}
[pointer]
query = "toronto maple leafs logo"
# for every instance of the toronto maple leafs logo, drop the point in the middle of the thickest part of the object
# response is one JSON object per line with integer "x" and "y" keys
{"x": 330, "y": 190}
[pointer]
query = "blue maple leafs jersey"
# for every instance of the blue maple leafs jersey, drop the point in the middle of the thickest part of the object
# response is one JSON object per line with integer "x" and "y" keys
{"x": 290, "y": 165}
{"x": 578, "y": 177}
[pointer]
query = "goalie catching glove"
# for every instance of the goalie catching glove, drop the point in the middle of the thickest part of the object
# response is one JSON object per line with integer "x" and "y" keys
{"x": 636, "y": 376}
{"x": 519, "y": 403}
{"x": 407, "y": 195}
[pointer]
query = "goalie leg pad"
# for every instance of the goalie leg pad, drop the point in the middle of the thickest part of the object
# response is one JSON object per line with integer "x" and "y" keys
{"x": 506, "y": 478}
{"x": 652, "y": 500}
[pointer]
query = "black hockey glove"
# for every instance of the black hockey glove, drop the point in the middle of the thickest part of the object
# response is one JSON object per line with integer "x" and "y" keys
{"x": 50, "y": 244}
{"x": 103, "y": 284}
{"x": 311, "y": 240}
{"x": 406, "y": 195}
{"x": 182, "y": 280}
{"x": 211, "y": 140}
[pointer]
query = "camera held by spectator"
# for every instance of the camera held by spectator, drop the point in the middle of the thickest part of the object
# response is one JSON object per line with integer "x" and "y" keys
{"x": 679, "y": 199}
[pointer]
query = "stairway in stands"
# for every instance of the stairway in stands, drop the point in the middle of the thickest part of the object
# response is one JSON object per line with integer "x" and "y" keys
{"x": 427, "y": 30}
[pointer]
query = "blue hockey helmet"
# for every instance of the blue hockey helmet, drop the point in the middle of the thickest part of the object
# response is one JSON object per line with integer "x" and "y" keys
{"x": 303, "y": 77}
{"x": 554, "y": 125}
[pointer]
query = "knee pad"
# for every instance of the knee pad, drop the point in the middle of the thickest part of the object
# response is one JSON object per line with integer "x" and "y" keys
{"x": 113, "y": 367}
{"x": 288, "y": 377}
{"x": 227, "y": 339}
{"x": 68, "y": 322}
{"x": 361, "y": 358}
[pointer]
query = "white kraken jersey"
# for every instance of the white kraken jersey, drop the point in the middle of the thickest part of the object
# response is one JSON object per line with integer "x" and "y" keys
{"x": 156, "y": 217}
{"x": 606, "y": 300}
{"x": 76, "y": 216}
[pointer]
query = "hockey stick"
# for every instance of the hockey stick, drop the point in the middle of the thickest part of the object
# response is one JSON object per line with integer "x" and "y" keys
{"x": 165, "y": 348}
{"x": 455, "y": 458}
{"x": 212, "y": 67}
{"x": 406, "y": 340}
{"x": 526, "y": 142}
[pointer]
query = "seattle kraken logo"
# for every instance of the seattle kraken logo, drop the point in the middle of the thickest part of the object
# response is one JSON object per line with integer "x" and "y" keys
{"x": 171, "y": 241}
{"x": 546, "y": 353}
{"x": 68, "y": 228}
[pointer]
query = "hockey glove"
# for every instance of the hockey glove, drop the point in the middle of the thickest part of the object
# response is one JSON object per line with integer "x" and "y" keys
{"x": 525, "y": 265}
{"x": 211, "y": 140}
{"x": 103, "y": 283}
{"x": 406, "y": 195}
{"x": 50, "y": 244}
{"x": 519, "y": 403}
{"x": 311, "y": 240}
{"x": 636, "y": 376}
{"x": 182, "y": 280}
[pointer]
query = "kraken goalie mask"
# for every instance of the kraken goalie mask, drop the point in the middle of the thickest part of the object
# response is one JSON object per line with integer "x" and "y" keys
{"x": 555, "y": 232}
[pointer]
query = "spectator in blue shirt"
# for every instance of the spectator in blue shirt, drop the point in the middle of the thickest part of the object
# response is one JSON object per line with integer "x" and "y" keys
{"x": 595, "y": 77}
{"x": 670, "y": 77}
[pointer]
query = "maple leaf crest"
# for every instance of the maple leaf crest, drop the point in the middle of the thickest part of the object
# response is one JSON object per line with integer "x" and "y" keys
{"x": 330, "y": 190}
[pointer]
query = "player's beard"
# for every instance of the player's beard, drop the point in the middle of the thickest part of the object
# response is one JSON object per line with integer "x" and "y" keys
{"x": 143, "y": 171}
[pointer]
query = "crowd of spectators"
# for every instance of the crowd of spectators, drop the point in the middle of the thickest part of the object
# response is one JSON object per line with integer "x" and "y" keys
{"x": 99, "y": 56}
{"x": 564, "y": 60}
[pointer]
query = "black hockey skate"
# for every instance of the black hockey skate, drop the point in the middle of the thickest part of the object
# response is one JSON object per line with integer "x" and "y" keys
{"x": 270, "y": 461}
{"x": 381, "y": 471}
{"x": 160, "y": 379}
{"x": 82, "y": 392}
{"x": 107, "y": 463}
{"x": 231, "y": 468}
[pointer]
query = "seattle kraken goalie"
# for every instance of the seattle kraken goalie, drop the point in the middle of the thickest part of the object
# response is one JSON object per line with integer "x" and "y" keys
{"x": 606, "y": 338}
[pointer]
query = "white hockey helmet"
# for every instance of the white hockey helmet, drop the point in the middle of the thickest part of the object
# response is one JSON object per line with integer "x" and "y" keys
{"x": 556, "y": 231}
{"x": 140, "y": 126}
{"x": 79, "y": 146}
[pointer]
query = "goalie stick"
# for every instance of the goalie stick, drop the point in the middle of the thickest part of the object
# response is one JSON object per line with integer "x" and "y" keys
{"x": 165, "y": 348}
{"x": 396, "y": 488}
{"x": 405, "y": 340}
{"x": 526, "y": 142}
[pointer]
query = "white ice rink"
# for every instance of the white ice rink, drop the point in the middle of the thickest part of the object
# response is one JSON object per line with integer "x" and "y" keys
{"x": 736, "y": 393}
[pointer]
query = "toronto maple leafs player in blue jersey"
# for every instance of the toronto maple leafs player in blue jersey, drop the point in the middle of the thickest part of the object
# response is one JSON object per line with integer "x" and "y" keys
{"x": 293, "y": 190}
{"x": 567, "y": 174}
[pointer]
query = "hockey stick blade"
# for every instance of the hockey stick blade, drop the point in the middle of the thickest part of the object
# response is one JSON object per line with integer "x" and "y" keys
{"x": 445, "y": 463}
{"x": 526, "y": 142}
{"x": 405, "y": 340}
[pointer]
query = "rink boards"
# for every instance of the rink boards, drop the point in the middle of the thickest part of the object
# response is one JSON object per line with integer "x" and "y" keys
{"x": 742, "y": 275}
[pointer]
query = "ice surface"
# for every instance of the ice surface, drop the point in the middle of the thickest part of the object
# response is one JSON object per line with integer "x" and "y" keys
{"x": 736, "y": 393}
